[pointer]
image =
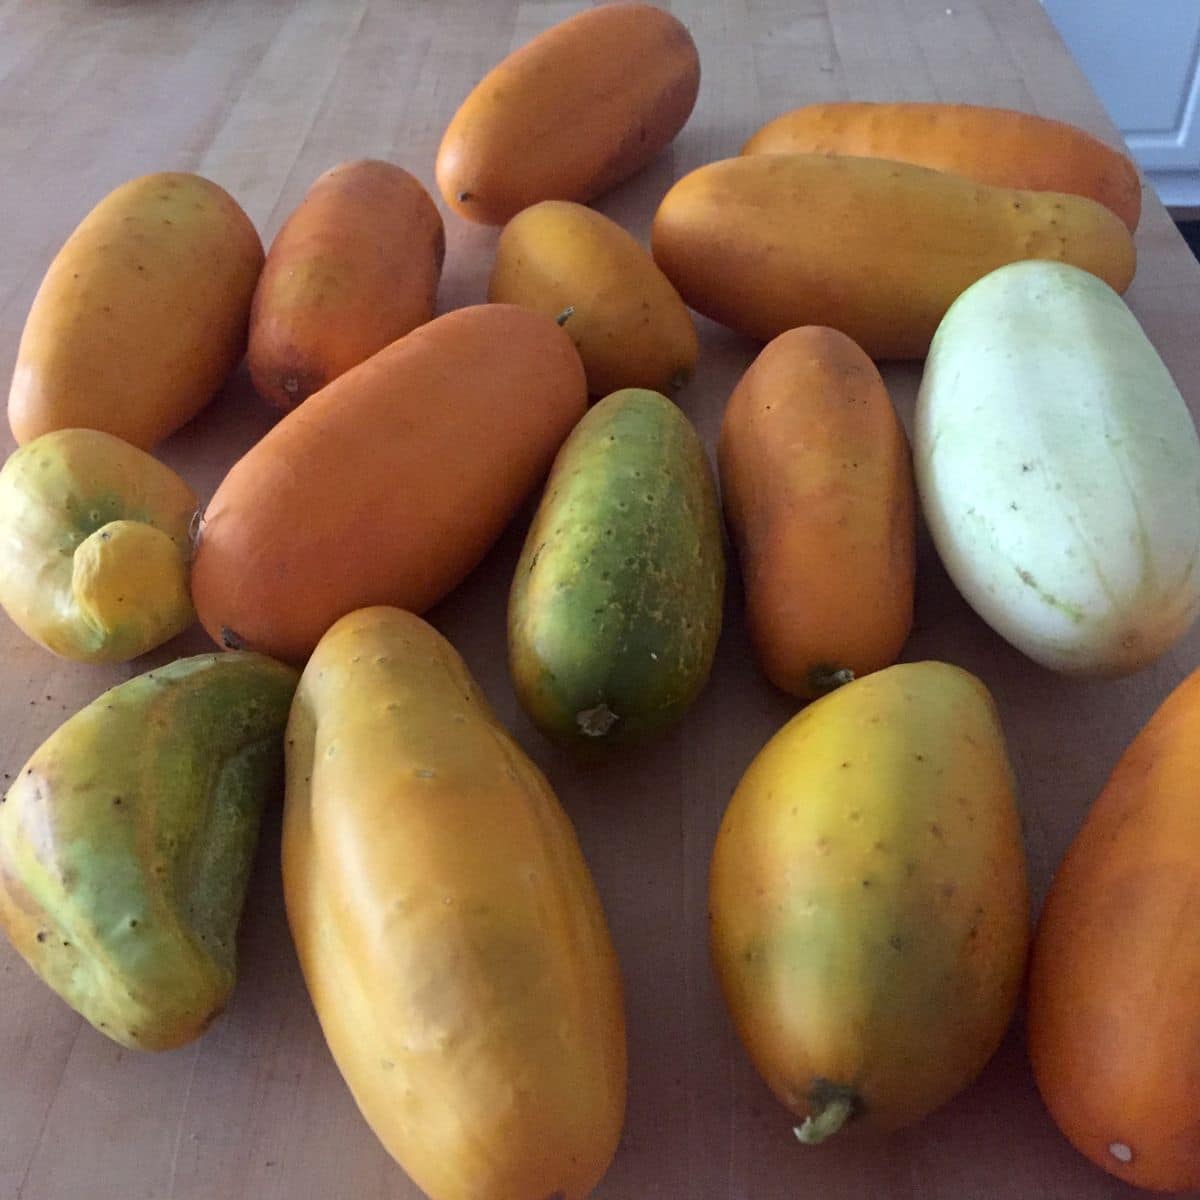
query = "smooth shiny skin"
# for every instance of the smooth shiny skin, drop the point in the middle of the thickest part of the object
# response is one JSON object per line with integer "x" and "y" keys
{"x": 1114, "y": 990}
{"x": 448, "y": 928}
{"x": 869, "y": 911}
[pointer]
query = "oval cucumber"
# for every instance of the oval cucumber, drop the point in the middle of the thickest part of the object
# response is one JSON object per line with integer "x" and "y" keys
{"x": 615, "y": 609}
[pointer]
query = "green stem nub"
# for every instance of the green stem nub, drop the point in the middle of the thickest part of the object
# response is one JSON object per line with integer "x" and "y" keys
{"x": 566, "y": 314}
{"x": 823, "y": 680}
{"x": 826, "y": 1121}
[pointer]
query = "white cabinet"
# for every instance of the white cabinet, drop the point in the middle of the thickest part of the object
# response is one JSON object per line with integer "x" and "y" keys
{"x": 1141, "y": 58}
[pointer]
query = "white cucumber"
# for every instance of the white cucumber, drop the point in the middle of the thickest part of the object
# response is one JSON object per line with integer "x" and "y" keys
{"x": 1059, "y": 470}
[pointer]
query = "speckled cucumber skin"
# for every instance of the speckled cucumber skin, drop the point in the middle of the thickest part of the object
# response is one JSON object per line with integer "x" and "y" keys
{"x": 126, "y": 843}
{"x": 868, "y": 898}
{"x": 615, "y": 608}
{"x": 1059, "y": 471}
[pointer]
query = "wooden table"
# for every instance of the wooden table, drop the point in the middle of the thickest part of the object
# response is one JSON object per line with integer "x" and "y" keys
{"x": 261, "y": 96}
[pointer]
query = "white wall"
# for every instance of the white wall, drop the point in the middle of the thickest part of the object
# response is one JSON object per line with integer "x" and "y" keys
{"x": 1141, "y": 57}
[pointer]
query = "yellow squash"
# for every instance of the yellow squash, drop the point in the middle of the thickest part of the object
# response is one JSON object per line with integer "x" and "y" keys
{"x": 448, "y": 929}
{"x": 869, "y": 912}
{"x": 94, "y": 547}
{"x": 141, "y": 315}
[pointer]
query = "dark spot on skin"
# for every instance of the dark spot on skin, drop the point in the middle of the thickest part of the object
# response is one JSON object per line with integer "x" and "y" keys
{"x": 42, "y": 935}
{"x": 896, "y": 942}
{"x": 866, "y": 883}
{"x": 845, "y": 764}
{"x": 465, "y": 197}
{"x": 116, "y": 801}
{"x": 936, "y": 830}
{"x": 919, "y": 757}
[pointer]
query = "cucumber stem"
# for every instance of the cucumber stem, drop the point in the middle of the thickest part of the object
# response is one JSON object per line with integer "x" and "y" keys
{"x": 826, "y": 1121}
{"x": 828, "y": 679}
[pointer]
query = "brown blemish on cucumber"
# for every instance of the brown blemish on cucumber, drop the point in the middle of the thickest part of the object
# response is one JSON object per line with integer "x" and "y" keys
{"x": 596, "y": 722}
{"x": 1070, "y": 610}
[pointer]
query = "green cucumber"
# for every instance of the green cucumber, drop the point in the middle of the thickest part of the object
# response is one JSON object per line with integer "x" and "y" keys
{"x": 615, "y": 609}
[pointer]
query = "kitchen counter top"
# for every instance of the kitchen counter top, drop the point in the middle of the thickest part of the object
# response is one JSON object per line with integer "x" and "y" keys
{"x": 262, "y": 96}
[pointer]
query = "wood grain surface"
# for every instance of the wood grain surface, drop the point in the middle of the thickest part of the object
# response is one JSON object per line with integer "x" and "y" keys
{"x": 263, "y": 95}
